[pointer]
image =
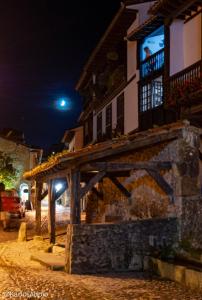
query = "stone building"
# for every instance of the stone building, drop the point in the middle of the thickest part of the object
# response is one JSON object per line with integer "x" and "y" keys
{"x": 127, "y": 89}
{"x": 139, "y": 160}
{"x": 145, "y": 71}
{"x": 161, "y": 165}
{"x": 73, "y": 138}
{"x": 24, "y": 158}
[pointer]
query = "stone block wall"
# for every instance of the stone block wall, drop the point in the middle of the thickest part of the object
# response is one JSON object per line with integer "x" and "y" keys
{"x": 116, "y": 247}
{"x": 183, "y": 178}
{"x": 191, "y": 222}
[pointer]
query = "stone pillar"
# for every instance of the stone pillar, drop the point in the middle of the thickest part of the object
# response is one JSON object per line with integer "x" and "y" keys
{"x": 187, "y": 189}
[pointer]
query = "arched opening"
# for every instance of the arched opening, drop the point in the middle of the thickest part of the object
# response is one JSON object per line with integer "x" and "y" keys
{"x": 24, "y": 195}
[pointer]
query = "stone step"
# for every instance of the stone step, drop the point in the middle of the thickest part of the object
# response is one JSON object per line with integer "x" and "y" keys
{"x": 50, "y": 260}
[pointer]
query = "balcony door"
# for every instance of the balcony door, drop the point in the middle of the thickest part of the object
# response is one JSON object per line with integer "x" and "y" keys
{"x": 151, "y": 104}
{"x": 151, "y": 88}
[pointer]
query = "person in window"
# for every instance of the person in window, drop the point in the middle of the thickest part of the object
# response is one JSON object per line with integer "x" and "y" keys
{"x": 150, "y": 63}
{"x": 148, "y": 52}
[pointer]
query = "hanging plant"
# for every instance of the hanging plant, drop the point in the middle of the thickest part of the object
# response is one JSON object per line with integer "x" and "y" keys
{"x": 181, "y": 94}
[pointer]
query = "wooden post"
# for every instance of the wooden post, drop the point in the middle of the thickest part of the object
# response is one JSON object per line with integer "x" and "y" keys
{"x": 75, "y": 210}
{"x": 39, "y": 186}
{"x": 51, "y": 212}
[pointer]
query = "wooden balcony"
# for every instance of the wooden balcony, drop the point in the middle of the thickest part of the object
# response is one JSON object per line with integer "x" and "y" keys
{"x": 108, "y": 84}
{"x": 185, "y": 87}
{"x": 152, "y": 65}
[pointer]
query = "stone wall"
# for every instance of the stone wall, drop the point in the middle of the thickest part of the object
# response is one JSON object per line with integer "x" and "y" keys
{"x": 191, "y": 222}
{"x": 183, "y": 178}
{"x": 116, "y": 247}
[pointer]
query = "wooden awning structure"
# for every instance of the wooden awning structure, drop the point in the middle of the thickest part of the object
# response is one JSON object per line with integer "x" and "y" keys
{"x": 146, "y": 28}
{"x": 113, "y": 35}
{"x": 91, "y": 164}
{"x": 58, "y": 165}
{"x": 175, "y": 9}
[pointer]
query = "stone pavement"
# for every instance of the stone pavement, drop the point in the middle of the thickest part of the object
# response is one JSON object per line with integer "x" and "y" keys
{"x": 21, "y": 278}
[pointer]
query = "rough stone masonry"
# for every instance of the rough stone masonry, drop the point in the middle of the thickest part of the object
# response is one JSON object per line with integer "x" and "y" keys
{"x": 117, "y": 247}
{"x": 126, "y": 246}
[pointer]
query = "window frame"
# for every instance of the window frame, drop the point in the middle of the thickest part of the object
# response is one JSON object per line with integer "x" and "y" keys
{"x": 120, "y": 110}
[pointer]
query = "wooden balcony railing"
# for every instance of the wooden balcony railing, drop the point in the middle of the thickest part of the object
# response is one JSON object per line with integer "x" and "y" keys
{"x": 187, "y": 75}
{"x": 152, "y": 64}
{"x": 184, "y": 84}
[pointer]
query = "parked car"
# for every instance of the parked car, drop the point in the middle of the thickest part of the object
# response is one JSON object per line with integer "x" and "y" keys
{"x": 11, "y": 203}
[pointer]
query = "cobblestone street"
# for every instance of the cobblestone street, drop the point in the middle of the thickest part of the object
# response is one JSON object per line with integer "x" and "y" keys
{"x": 19, "y": 274}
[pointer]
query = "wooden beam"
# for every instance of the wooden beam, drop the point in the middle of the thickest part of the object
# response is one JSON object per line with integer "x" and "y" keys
{"x": 183, "y": 7}
{"x": 75, "y": 209}
{"x": 39, "y": 186}
{"x": 162, "y": 183}
{"x": 51, "y": 212}
{"x": 92, "y": 182}
{"x": 117, "y": 167}
{"x": 121, "y": 188}
{"x": 43, "y": 195}
{"x": 86, "y": 176}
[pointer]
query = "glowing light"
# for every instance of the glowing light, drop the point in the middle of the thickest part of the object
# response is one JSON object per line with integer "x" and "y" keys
{"x": 58, "y": 187}
{"x": 63, "y": 104}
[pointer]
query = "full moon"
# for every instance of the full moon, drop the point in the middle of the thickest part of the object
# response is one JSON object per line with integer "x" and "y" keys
{"x": 63, "y": 104}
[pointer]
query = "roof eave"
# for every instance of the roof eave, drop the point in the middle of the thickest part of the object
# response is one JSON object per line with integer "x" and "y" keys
{"x": 115, "y": 20}
{"x": 139, "y": 33}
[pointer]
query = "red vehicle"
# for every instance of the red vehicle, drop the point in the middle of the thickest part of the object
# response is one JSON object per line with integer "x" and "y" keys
{"x": 11, "y": 203}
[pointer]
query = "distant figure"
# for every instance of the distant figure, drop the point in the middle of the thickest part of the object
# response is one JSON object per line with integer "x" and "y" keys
{"x": 148, "y": 52}
{"x": 150, "y": 64}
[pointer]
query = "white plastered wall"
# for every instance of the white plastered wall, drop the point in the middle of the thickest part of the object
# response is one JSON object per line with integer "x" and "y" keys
{"x": 142, "y": 15}
{"x": 185, "y": 43}
{"x": 131, "y": 59}
{"x": 131, "y": 107}
{"x": 176, "y": 47}
{"x": 192, "y": 41}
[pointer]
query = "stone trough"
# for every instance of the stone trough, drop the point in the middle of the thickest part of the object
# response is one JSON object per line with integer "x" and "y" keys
{"x": 186, "y": 276}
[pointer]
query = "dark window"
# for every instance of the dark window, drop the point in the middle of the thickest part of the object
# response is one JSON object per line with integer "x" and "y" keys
{"x": 99, "y": 126}
{"x": 120, "y": 114}
{"x": 109, "y": 121}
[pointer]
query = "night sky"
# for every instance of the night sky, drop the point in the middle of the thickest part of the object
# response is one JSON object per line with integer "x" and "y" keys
{"x": 43, "y": 47}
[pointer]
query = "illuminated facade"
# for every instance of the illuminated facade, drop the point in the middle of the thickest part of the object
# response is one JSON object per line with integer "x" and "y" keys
{"x": 145, "y": 71}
